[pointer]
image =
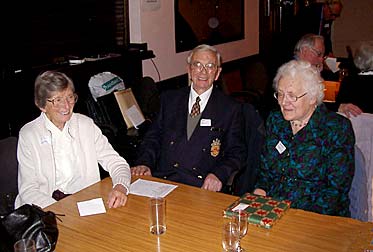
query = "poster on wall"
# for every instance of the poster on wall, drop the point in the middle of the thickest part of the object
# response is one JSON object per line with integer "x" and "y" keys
{"x": 207, "y": 22}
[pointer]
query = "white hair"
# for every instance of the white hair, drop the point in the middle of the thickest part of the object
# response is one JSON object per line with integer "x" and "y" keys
{"x": 308, "y": 74}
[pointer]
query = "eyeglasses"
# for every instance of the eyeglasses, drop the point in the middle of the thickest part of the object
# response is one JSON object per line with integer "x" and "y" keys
{"x": 317, "y": 52}
{"x": 291, "y": 97}
{"x": 61, "y": 101}
{"x": 198, "y": 66}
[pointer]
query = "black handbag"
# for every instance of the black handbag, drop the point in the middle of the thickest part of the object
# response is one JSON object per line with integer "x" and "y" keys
{"x": 30, "y": 222}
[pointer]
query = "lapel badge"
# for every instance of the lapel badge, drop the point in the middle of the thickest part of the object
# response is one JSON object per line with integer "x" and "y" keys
{"x": 215, "y": 147}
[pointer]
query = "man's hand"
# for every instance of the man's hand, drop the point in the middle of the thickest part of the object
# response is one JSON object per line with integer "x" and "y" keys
{"x": 141, "y": 170}
{"x": 117, "y": 196}
{"x": 349, "y": 109}
{"x": 212, "y": 183}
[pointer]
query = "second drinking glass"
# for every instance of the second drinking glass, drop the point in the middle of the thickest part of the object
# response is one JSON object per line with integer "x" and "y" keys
{"x": 240, "y": 218}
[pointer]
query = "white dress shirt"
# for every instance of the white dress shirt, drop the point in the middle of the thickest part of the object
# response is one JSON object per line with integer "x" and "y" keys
{"x": 204, "y": 98}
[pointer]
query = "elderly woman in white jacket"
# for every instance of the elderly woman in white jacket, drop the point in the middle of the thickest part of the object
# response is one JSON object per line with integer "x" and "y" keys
{"x": 58, "y": 152}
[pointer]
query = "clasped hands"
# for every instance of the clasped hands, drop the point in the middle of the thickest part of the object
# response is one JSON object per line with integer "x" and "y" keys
{"x": 211, "y": 183}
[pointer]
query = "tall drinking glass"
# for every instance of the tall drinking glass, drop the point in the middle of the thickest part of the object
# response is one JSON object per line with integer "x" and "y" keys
{"x": 240, "y": 218}
{"x": 231, "y": 236}
{"x": 157, "y": 215}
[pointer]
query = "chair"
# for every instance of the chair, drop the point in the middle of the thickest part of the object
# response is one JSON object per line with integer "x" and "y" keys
{"x": 248, "y": 83}
{"x": 331, "y": 90}
{"x": 254, "y": 133}
{"x": 9, "y": 174}
{"x": 363, "y": 129}
{"x": 109, "y": 113}
{"x": 106, "y": 114}
{"x": 359, "y": 189}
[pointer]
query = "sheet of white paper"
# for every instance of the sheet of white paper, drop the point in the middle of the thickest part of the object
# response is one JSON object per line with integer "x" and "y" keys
{"x": 240, "y": 206}
{"x": 151, "y": 188}
{"x": 90, "y": 207}
{"x": 332, "y": 64}
{"x": 135, "y": 116}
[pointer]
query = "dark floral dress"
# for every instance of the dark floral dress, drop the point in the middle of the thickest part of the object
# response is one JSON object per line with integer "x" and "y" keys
{"x": 313, "y": 168}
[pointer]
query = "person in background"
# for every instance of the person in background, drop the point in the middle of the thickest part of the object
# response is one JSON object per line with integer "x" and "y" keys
{"x": 318, "y": 18}
{"x": 308, "y": 155}
{"x": 331, "y": 10}
{"x": 354, "y": 96}
{"x": 196, "y": 138}
{"x": 58, "y": 152}
{"x": 314, "y": 17}
{"x": 311, "y": 48}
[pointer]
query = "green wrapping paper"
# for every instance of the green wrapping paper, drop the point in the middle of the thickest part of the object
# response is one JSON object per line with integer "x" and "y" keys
{"x": 262, "y": 211}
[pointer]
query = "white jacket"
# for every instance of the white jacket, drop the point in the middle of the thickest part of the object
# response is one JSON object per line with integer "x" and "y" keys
{"x": 36, "y": 167}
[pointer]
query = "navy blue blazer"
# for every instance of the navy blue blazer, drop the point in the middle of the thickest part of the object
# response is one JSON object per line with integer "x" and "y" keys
{"x": 213, "y": 149}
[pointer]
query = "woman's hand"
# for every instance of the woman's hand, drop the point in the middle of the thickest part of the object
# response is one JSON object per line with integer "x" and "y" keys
{"x": 260, "y": 192}
{"x": 117, "y": 196}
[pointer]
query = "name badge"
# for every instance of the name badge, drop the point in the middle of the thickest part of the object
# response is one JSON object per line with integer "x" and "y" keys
{"x": 46, "y": 140}
{"x": 280, "y": 147}
{"x": 205, "y": 122}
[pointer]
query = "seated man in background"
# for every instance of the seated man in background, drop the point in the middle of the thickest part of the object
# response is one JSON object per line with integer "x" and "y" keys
{"x": 196, "y": 138}
{"x": 311, "y": 48}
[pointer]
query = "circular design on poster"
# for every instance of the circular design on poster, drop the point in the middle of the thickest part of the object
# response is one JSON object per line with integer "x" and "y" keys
{"x": 213, "y": 22}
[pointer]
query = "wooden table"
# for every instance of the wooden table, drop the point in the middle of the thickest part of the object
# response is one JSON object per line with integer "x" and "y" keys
{"x": 194, "y": 221}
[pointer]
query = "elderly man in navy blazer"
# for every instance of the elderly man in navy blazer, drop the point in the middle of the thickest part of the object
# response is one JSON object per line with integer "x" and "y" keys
{"x": 196, "y": 138}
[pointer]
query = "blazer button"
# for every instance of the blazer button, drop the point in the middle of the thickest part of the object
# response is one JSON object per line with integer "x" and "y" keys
{"x": 164, "y": 177}
{"x": 176, "y": 164}
{"x": 194, "y": 168}
{"x": 204, "y": 149}
{"x": 172, "y": 142}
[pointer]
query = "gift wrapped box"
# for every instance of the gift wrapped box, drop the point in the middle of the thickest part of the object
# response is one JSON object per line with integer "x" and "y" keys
{"x": 262, "y": 211}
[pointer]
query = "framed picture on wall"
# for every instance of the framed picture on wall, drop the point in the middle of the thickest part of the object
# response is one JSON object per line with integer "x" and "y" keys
{"x": 207, "y": 22}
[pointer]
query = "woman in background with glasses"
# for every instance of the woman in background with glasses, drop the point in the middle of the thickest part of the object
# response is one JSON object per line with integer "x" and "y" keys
{"x": 59, "y": 152}
{"x": 308, "y": 156}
